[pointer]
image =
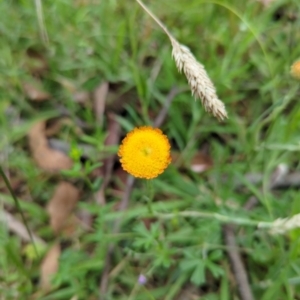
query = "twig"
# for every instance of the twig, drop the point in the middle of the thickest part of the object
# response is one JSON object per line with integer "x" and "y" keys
{"x": 239, "y": 271}
{"x": 106, "y": 169}
{"x": 164, "y": 111}
{"x": 113, "y": 137}
{"x": 237, "y": 263}
{"x": 18, "y": 228}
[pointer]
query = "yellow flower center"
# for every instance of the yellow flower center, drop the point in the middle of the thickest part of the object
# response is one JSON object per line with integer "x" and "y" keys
{"x": 145, "y": 152}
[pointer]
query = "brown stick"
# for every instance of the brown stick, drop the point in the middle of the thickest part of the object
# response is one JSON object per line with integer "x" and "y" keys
{"x": 239, "y": 271}
{"x": 279, "y": 179}
{"x": 164, "y": 111}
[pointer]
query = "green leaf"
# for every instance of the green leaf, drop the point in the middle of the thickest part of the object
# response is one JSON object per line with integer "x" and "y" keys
{"x": 216, "y": 255}
{"x": 198, "y": 276}
{"x": 215, "y": 269}
{"x": 146, "y": 240}
{"x": 188, "y": 264}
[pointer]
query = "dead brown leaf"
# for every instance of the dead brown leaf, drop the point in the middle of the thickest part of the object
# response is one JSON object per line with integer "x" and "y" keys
{"x": 35, "y": 92}
{"x": 17, "y": 227}
{"x": 59, "y": 208}
{"x": 46, "y": 158}
{"x": 99, "y": 97}
{"x": 49, "y": 266}
{"x": 62, "y": 204}
{"x": 201, "y": 162}
{"x": 51, "y": 160}
{"x": 81, "y": 97}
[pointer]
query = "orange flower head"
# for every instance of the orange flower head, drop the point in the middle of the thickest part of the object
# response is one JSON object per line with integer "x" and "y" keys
{"x": 295, "y": 69}
{"x": 145, "y": 152}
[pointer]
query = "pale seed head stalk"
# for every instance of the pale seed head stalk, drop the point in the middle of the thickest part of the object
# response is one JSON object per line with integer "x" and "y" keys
{"x": 201, "y": 85}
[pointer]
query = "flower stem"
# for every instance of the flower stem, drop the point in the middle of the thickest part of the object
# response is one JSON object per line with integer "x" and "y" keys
{"x": 149, "y": 197}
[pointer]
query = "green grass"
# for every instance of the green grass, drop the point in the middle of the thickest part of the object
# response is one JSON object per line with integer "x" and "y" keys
{"x": 247, "y": 51}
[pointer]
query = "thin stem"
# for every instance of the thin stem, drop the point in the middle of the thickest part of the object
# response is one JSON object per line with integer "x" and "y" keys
{"x": 159, "y": 23}
{"x": 149, "y": 190}
{"x": 3, "y": 175}
{"x": 237, "y": 264}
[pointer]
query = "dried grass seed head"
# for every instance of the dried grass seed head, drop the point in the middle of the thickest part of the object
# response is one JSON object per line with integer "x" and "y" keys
{"x": 281, "y": 226}
{"x": 199, "y": 81}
